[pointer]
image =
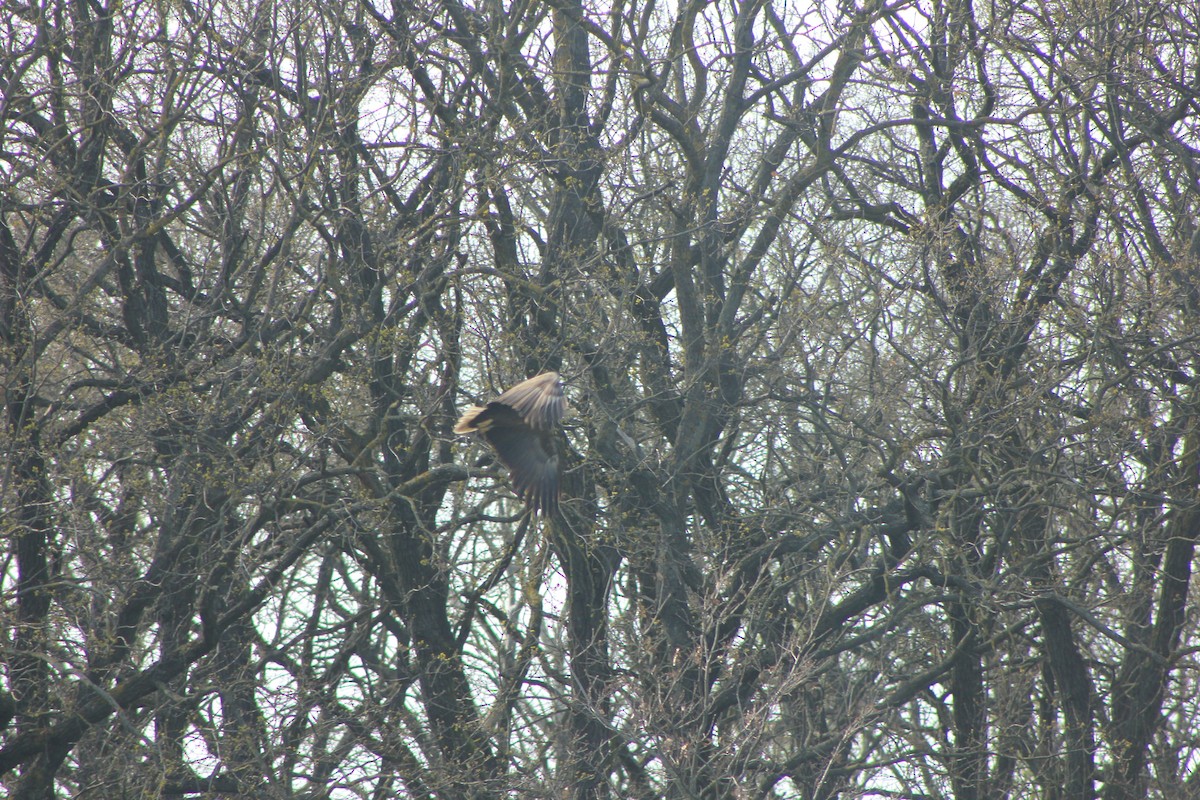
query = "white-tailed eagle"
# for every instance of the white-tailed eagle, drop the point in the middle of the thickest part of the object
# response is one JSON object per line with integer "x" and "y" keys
{"x": 520, "y": 425}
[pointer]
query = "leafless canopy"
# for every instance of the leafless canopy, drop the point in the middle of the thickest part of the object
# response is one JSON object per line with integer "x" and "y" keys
{"x": 881, "y": 322}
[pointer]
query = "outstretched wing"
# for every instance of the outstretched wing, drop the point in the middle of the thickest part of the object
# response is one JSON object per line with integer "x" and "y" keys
{"x": 531, "y": 461}
{"x": 519, "y": 426}
{"x": 539, "y": 400}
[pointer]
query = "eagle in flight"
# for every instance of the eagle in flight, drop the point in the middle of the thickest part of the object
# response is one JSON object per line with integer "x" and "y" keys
{"x": 519, "y": 425}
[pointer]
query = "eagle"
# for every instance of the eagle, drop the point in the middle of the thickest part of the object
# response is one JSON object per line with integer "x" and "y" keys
{"x": 519, "y": 425}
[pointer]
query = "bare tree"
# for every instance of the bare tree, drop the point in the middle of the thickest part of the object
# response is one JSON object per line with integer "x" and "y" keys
{"x": 879, "y": 322}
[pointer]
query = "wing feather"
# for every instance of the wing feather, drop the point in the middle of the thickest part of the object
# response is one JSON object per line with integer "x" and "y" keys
{"x": 539, "y": 400}
{"x": 531, "y": 461}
